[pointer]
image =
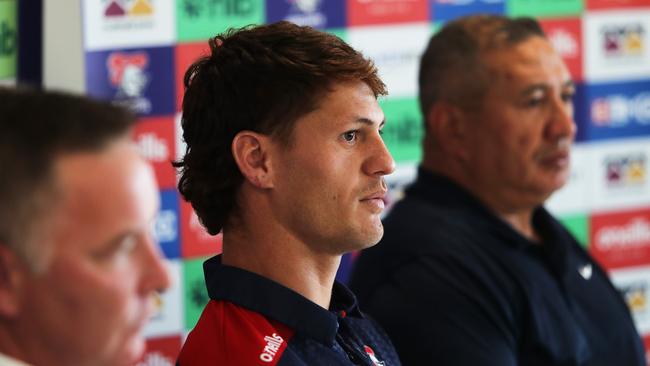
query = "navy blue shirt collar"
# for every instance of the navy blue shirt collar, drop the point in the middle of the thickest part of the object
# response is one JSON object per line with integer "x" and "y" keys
{"x": 435, "y": 188}
{"x": 278, "y": 302}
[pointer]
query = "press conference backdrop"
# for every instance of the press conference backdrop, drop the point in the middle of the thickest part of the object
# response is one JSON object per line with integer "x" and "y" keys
{"x": 134, "y": 53}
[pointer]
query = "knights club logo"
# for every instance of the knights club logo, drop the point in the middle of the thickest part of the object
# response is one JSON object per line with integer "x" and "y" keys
{"x": 371, "y": 353}
{"x": 127, "y": 73}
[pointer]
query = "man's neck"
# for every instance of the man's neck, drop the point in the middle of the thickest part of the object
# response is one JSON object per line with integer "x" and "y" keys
{"x": 519, "y": 217}
{"x": 282, "y": 258}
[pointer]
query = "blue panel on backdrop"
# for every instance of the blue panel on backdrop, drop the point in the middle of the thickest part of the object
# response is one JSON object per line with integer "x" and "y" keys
{"x": 140, "y": 79}
{"x": 581, "y": 112}
{"x": 615, "y": 110}
{"x": 445, "y": 10}
{"x": 166, "y": 227}
{"x": 319, "y": 14}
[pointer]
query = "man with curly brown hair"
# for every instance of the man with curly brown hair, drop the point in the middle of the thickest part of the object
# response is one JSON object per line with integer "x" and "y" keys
{"x": 285, "y": 157}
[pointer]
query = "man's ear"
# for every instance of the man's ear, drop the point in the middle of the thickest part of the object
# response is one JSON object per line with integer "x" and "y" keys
{"x": 448, "y": 125}
{"x": 251, "y": 152}
{"x": 12, "y": 272}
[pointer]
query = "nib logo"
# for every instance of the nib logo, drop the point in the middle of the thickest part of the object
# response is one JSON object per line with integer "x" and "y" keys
{"x": 565, "y": 44}
{"x": 153, "y": 148}
{"x": 156, "y": 359}
{"x": 7, "y": 40}
{"x": 198, "y": 8}
{"x": 617, "y": 110}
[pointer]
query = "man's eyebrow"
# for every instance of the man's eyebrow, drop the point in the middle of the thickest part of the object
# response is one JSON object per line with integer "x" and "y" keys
{"x": 367, "y": 121}
{"x": 542, "y": 86}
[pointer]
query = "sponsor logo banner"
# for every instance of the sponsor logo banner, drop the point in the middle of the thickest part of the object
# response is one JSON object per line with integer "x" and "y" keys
{"x": 396, "y": 51}
{"x": 110, "y": 24}
{"x": 139, "y": 79}
{"x": 403, "y": 131}
{"x": 168, "y": 317}
{"x": 319, "y": 14}
{"x": 573, "y": 197}
{"x": 186, "y": 54}
{"x": 201, "y": 19}
{"x": 615, "y": 110}
{"x": 8, "y": 38}
{"x": 195, "y": 239}
{"x": 617, "y": 45}
{"x": 634, "y": 286}
{"x": 154, "y": 137}
{"x": 445, "y": 10}
{"x": 368, "y": 12}
{"x": 621, "y": 174}
{"x": 621, "y": 239}
{"x": 166, "y": 226}
{"x": 161, "y": 351}
{"x": 542, "y": 8}
{"x": 194, "y": 291}
{"x": 566, "y": 36}
{"x": 609, "y": 4}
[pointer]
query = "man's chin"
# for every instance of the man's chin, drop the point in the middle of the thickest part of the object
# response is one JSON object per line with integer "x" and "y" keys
{"x": 133, "y": 352}
{"x": 372, "y": 237}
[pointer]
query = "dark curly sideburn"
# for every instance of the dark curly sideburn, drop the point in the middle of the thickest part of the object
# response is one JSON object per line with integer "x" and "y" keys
{"x": 257, "y": 78}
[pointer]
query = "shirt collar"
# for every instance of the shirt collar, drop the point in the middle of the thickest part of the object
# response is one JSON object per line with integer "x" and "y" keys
{"x": 444, "y": 192}
{"x": 278, "y": 302}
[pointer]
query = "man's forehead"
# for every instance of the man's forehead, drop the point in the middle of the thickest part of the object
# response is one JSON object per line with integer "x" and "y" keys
{"x": 534, "y": 58}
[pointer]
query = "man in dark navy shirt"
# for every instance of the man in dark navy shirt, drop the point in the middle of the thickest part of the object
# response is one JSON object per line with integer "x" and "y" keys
{"x": 285, "y": 157}
{"x": 472, "y": 269}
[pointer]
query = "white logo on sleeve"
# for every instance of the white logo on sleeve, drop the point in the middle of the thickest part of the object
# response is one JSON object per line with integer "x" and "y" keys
{"x": 273, "y": 343}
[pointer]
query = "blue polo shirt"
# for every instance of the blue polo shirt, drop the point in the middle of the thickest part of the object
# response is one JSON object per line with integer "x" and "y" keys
{"x": 251, "y": 320}
{"x": 454, "y": 285}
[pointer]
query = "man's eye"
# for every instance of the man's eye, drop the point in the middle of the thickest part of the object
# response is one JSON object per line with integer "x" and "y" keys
{"x": 533, "y": 102}
{"x": 119, "y": 247}
{"x": 127, "y": 244}
{"x": 350, "y": 136}
{"x": 567, "y": 97}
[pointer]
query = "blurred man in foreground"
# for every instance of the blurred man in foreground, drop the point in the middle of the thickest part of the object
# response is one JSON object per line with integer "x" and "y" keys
{"x": 285, "y": 155}
{"x": 78, "y": 268}
{"x": 472, "y": 269}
